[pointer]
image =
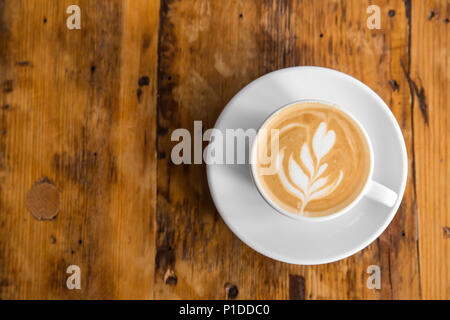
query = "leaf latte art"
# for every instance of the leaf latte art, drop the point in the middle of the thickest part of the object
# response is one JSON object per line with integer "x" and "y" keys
{"x": 310, "y": 186}
{"x": 322, "y": 161}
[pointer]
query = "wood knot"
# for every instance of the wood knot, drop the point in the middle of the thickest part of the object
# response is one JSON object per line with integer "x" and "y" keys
{"x": 43, "y": 200}
{"x": 231, "y": 290}
{"x": 170, "y": 277}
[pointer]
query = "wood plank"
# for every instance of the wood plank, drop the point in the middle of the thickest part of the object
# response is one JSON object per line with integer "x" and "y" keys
{"x": 72, "y": 114}
{"x": 430, "y": 82}
{"x": 208, "y": 52}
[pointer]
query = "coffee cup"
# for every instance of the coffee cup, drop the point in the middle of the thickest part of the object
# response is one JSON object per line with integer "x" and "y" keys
{"x": 322, "y": 165}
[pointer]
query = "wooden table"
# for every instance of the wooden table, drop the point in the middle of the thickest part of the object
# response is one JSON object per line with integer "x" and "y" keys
{"x": 87, "y": 115}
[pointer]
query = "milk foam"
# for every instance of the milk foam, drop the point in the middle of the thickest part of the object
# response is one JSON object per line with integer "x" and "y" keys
{"x": 323, "y": 160}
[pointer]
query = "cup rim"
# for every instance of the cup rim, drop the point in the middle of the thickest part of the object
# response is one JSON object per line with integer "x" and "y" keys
{"x": 292, "y": 215}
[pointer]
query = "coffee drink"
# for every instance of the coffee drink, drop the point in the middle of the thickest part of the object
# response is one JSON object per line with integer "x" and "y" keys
{"x": 318, "y": 159}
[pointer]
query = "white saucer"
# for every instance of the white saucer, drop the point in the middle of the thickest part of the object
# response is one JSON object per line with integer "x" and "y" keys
{"x": 302, "y": 242}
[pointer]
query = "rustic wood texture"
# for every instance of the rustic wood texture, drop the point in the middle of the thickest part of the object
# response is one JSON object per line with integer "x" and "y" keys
{"x": 73, "y": 116}
{"x": 92, "y": 111}
{"x": 430, "y": 78}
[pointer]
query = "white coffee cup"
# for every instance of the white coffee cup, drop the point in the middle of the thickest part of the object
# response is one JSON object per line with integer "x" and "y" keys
{"x": 371, "y": 189}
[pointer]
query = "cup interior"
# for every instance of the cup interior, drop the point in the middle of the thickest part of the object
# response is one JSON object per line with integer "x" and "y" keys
{"x": 255, "y": 178}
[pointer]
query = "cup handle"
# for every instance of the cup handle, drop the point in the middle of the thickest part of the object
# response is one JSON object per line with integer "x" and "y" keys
{"x": 382, "y": 194}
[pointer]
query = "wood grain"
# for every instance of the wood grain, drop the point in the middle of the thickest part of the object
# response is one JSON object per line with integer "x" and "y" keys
{"x": 209, "y": 51}
{"x": 74, "y": 117}
{"x": 430, "y": 79}
{"x": 92, "y": 111}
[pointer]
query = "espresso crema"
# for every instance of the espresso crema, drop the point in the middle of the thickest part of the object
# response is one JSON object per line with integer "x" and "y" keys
{"x": 322, "y": 162}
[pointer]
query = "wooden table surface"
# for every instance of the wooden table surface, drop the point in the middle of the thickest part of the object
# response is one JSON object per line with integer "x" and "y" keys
{"x": 86, "y": 119}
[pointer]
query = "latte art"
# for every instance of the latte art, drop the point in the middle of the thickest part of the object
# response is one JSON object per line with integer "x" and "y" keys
{"x": 310, "y": 186}
{"x": 323, "y": 159}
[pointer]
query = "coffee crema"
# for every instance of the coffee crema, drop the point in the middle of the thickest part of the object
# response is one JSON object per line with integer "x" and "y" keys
{"x": 322, "y": 161}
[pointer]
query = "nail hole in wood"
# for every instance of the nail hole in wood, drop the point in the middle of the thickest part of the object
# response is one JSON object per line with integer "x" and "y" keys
{"x": 446, "y": 232}
{"x": 394, "y": 85}
{"x": 170, "y": 277}
{"x": 231, "y": 290}
{"x": 431, "y": 15}
{"x": 143, "y": 81}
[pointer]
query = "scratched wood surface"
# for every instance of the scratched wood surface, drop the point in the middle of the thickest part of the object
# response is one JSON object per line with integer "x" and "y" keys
{"x": 71, "y": 114}
{"x": 90, "y": 113}
{"x": 430, "y": 79}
